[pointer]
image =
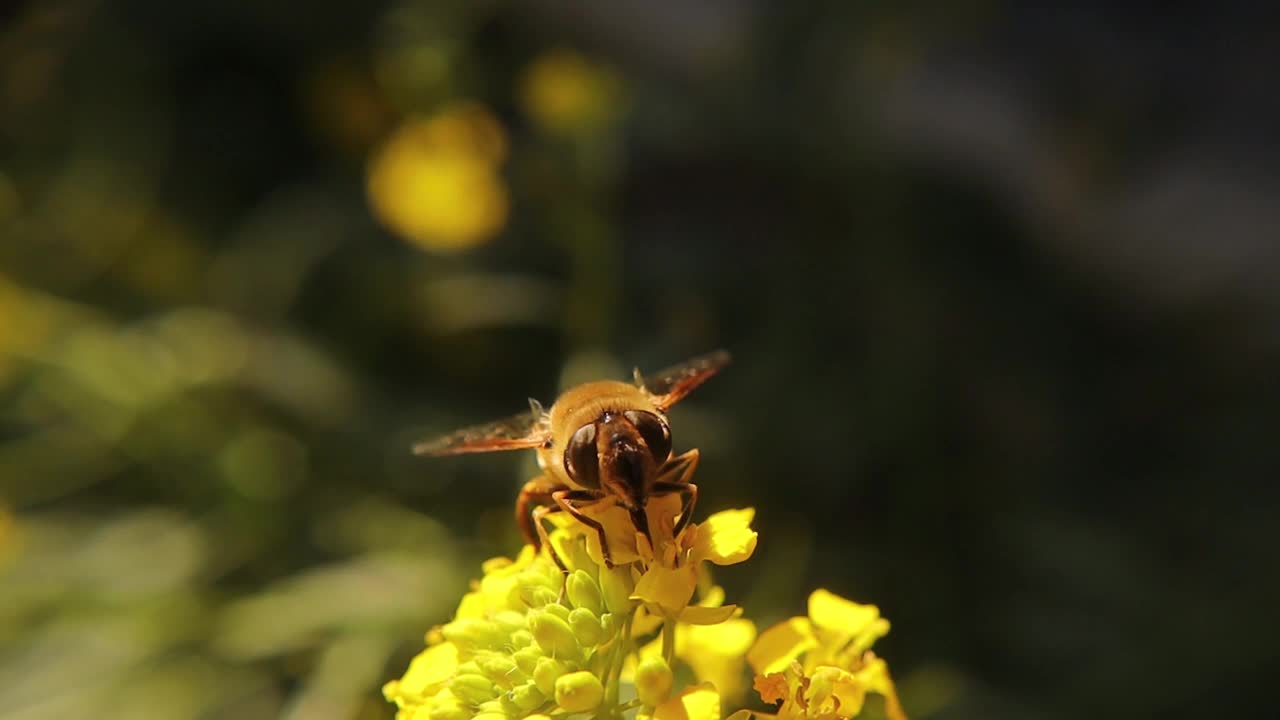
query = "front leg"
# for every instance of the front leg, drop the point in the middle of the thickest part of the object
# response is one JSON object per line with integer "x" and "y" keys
{"x": 679, "y": 469}
{"x": 536, "y": 492}
{"x": 689, "y": 490}
{"x": 566, "y": 498}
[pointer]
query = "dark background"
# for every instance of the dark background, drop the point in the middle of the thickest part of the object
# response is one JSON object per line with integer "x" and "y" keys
{"x": 1000, "y": 283}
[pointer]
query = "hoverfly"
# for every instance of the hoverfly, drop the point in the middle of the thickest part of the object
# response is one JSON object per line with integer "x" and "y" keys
{"x": 600, "y": 440}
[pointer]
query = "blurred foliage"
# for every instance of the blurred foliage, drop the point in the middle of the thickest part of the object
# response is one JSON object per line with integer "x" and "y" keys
{"x": 999, "y": 281}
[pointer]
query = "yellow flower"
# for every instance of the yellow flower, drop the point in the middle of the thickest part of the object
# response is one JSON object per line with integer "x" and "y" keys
{"x": 725, "y": 538}
{"x": 436, "y": 181}
{"x": 701, "y": 702}
{"x": 564, "y": 93}
{"x": 820, "y": 666}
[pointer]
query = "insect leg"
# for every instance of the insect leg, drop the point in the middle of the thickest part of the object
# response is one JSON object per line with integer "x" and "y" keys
{"x": 566, "y": 498}
{"x": 679, "y": 469}
{"x": 689, "y": 490}
{"x": 535, "y": 492}
{"x": 539, "y": 513}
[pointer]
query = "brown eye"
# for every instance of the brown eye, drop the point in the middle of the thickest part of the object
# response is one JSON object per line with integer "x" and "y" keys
{"x": 580, "y": 457}
{"x": 655, "y": 432}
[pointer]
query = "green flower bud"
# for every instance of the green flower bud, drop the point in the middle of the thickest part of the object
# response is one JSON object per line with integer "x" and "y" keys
{"x": 509, "y": 621}
{"x": 558, "y": 610}
{"x": 521, "y": 638}
{"x": 653, "y": 680}
{"x": 473, "y": 689}
{"x": 491, "y": 710}
{"x": 531, "y": 578}
{"x": 585, "y": 627}
{"x": 449, "y": 710}
{"x": 579, "y": 691}
{"x": 501, "y": 669}
{"x": 545, "y": 674}
{"x": 611, "y": 623}
{"x": 584, "y": 592}
{"x": 527, "y": 697}
{"x": 536, "y": 597}
{"x": 526, "y": 658}
{"x": 616, "y": 588}
{"x": 554, "y": 636}
{"x": 474, "y": 634}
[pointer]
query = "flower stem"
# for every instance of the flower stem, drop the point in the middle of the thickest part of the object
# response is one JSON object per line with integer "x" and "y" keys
{"x": 669, "y": 641}
{"x": 613, "y": 680}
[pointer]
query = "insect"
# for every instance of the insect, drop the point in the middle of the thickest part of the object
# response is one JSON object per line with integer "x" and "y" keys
{"x": 600, "y": 440}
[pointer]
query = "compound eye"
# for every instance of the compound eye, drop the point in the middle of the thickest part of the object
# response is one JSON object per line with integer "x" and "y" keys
{"x": 580, "y": 459}
{"x": 654, "y": 430}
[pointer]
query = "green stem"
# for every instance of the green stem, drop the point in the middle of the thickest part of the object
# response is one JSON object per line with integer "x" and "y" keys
{"x": 669, "y": 641}
{"x": 613, "y": 684}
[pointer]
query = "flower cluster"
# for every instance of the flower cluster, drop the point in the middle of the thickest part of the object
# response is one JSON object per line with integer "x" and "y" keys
{"x": 532, "y": 641}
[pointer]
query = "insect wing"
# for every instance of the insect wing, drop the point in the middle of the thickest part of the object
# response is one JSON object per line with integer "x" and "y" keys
{"x": 671, "y": 385}
{"x": 526, "y": 430}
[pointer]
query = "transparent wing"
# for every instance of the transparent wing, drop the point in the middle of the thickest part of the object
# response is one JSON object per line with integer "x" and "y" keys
{"x": 671, "y": 385}
{"x": 518, "y": 432}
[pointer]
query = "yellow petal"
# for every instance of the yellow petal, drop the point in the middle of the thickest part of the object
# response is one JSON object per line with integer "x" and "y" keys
{"x": 645, "y": 622}
{"x": 830, "y": 611}
{"x": 740, "y": 715}
{"x": 699, "y": 615}
{"x": 662, "y": 512}
{"x": 619, "y": 531}
{"x": 874, "y": 676}
{"x": 726, "y": 537}
{"x": 716, "y": 652}
{"x": 666, "y": 589}
{"x": 472, "y": 606}
{"x": 428, "y": 671}
{"x": 780, "y": 644}
{"x": 696, "y": 703}
{"x": 842, "y": 620}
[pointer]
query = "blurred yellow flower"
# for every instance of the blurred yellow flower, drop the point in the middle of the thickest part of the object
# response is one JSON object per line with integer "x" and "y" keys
{"x": 821, "y": 666}
{"x": 701, "y": 702}
{"x": 436, "y": 182}
{"x": 564, "y": 93}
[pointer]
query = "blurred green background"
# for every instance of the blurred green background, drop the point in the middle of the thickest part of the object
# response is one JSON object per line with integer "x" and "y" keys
{"x": 1000, "y": 283}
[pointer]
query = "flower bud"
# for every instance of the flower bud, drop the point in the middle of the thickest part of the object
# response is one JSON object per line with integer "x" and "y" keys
{"x": 584, "y": 592}
{"x": 653, "y": 680}
{"x": 611, "y": 623}
{"x": 501, "y": 669}
{"x": 490, "y": 710}
{"x": 521, "y": 639}
{"x": 558, "y": 610}
{"x": 509, "y": 621}
{"x": 545, "y": 674}
{"x": 536, "y": 597}
{"x": 527, "y": 697}
{"x": 473, "y": 689}
{"x": 616, "y": 588}
{"x": 579, "y": 691}
{"x": 585, "y": 627}
{"x": 531, "y": 579}
{"x": 554, "y": 636}
{"x": 473, "y": 634}
{"x": 446, "y": 707}
{"x": 526, "y": 658}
